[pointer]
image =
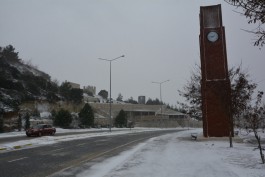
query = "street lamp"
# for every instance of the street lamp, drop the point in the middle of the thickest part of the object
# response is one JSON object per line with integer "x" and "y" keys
{"x": 160, "y": 83}
{"x": 110, "y": 60}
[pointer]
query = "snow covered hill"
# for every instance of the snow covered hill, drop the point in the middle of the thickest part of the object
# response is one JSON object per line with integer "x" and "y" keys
{"x": 20, "y": 81}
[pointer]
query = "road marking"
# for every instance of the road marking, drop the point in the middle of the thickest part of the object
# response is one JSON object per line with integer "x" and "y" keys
{"x": 17, "y": 159}
{"x": 81, "y": 144}
{"x": 52, "y": 151}
{"x": 57, "y": 150}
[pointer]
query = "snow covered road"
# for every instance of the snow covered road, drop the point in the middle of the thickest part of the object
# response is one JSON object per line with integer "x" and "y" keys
{"x": 176, "y": 155}
{"x": 170, "y": 155}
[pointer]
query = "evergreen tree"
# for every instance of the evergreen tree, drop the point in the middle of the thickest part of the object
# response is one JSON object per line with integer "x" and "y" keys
{"x": 76, "y": 95}
{"x": 65, "y": 90}
{"x": 1, "y": 123}
{"x": 121, "y": 119}
{"x": 153, "y": 102}
{"x": 9, "y": 53}
{"x": 63, "y": 118}
{"x": 131, "y": 100}
{"x": 19, "y": 122}
{"x": 104, "y": 94}
{"x": 27, "y": 122}
{"x": 120, "y": 97}
{"x": 71, "y": 94}
{"x": 86, "y": 116}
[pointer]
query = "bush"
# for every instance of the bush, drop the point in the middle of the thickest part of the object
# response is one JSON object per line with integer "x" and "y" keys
{"x": 121, "y": 119}
{"x": 86, "y": 116}
{"x": 63, "y": 119}
{"x": 1, "y": 124}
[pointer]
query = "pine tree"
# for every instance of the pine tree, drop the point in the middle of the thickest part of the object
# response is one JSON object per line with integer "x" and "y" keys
{"x": 120, "y": 97}
{"x": 86, "y": 116}
{"x": 27, "y": 122}
{"x": 1, "y": 124}
{"x": 63, "y": 118}
{"x": 103, "y": 93}
{"x": 121, "y": 119}
{"x": 19, "y": 122}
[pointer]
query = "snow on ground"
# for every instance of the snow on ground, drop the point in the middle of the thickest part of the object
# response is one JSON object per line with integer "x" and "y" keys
{"x": 176, "y": 154}
{"x": 169, "y": 155}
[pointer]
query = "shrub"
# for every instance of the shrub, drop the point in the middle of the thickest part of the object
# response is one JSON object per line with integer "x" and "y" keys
{"x": 121, "y": 119}
{"x": 63, "y": 118}
{"x": 86, "y": 116}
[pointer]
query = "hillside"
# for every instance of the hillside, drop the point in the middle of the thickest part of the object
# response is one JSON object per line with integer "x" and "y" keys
{"x": 22, "y": 82}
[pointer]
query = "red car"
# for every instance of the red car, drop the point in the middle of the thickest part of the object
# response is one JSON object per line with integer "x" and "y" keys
{"x": 41, "y": 129}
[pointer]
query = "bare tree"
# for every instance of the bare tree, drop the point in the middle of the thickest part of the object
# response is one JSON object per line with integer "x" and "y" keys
{"x": 242, "y": 89}
{"x": 192, "y": 93}
{"x": 254, "y": 11}
{"x": 254, "y": 118}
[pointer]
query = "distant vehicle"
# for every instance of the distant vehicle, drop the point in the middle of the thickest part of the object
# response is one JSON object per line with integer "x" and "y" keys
{"x": 41, "y": 129}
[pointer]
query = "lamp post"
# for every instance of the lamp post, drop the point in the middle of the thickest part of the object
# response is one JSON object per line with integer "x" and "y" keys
{"x": 160, "y": 84}
{"x": 110, "y": 60}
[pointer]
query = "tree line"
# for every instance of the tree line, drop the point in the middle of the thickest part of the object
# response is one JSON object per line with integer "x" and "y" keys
{"x": 64, "y": 118}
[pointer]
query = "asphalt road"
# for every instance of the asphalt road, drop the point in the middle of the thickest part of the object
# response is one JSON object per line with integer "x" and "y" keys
{"x": 18, "y": 138}
{"x": 51, "y": 160}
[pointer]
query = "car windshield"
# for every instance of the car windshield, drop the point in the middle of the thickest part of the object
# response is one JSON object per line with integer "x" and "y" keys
{"x": 37, "y": 126}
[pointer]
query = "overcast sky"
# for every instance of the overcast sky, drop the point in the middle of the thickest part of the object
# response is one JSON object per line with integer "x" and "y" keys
{"x": 159, "y": 38}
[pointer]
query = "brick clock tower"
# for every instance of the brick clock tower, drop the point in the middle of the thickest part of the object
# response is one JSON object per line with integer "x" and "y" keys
{"x": 215, "y": 83}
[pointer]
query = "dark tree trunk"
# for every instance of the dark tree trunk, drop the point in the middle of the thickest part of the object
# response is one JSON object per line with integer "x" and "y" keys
{"x": 259, "y": 146}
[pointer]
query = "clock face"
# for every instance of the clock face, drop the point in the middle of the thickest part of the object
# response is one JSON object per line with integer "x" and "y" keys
{"x": 212, "y": 36}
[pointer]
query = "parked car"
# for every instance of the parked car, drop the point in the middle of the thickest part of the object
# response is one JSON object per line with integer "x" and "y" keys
{"x": 41, "y": 129}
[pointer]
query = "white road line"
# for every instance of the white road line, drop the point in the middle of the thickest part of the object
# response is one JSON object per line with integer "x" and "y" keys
{"x": 81, "y": 144}
{"x": 18, "y": 159}
{"x": 52, "y": 151}
{"x": 56, "y": 150}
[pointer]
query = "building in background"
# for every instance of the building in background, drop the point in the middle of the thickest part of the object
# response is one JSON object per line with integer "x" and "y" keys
{"x": 144, "y": 115}
{"x": 90, "y": 90}
{"x": 73, "y": 85}
{"x": 141, "y": 99}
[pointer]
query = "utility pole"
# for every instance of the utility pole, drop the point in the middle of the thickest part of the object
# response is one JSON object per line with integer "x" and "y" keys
{"x": 110, "y": 60}
{"x": 160, "y": 84}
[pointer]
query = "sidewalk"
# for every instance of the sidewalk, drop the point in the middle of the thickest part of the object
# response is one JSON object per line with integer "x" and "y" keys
{"x": 177, "y": 155}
